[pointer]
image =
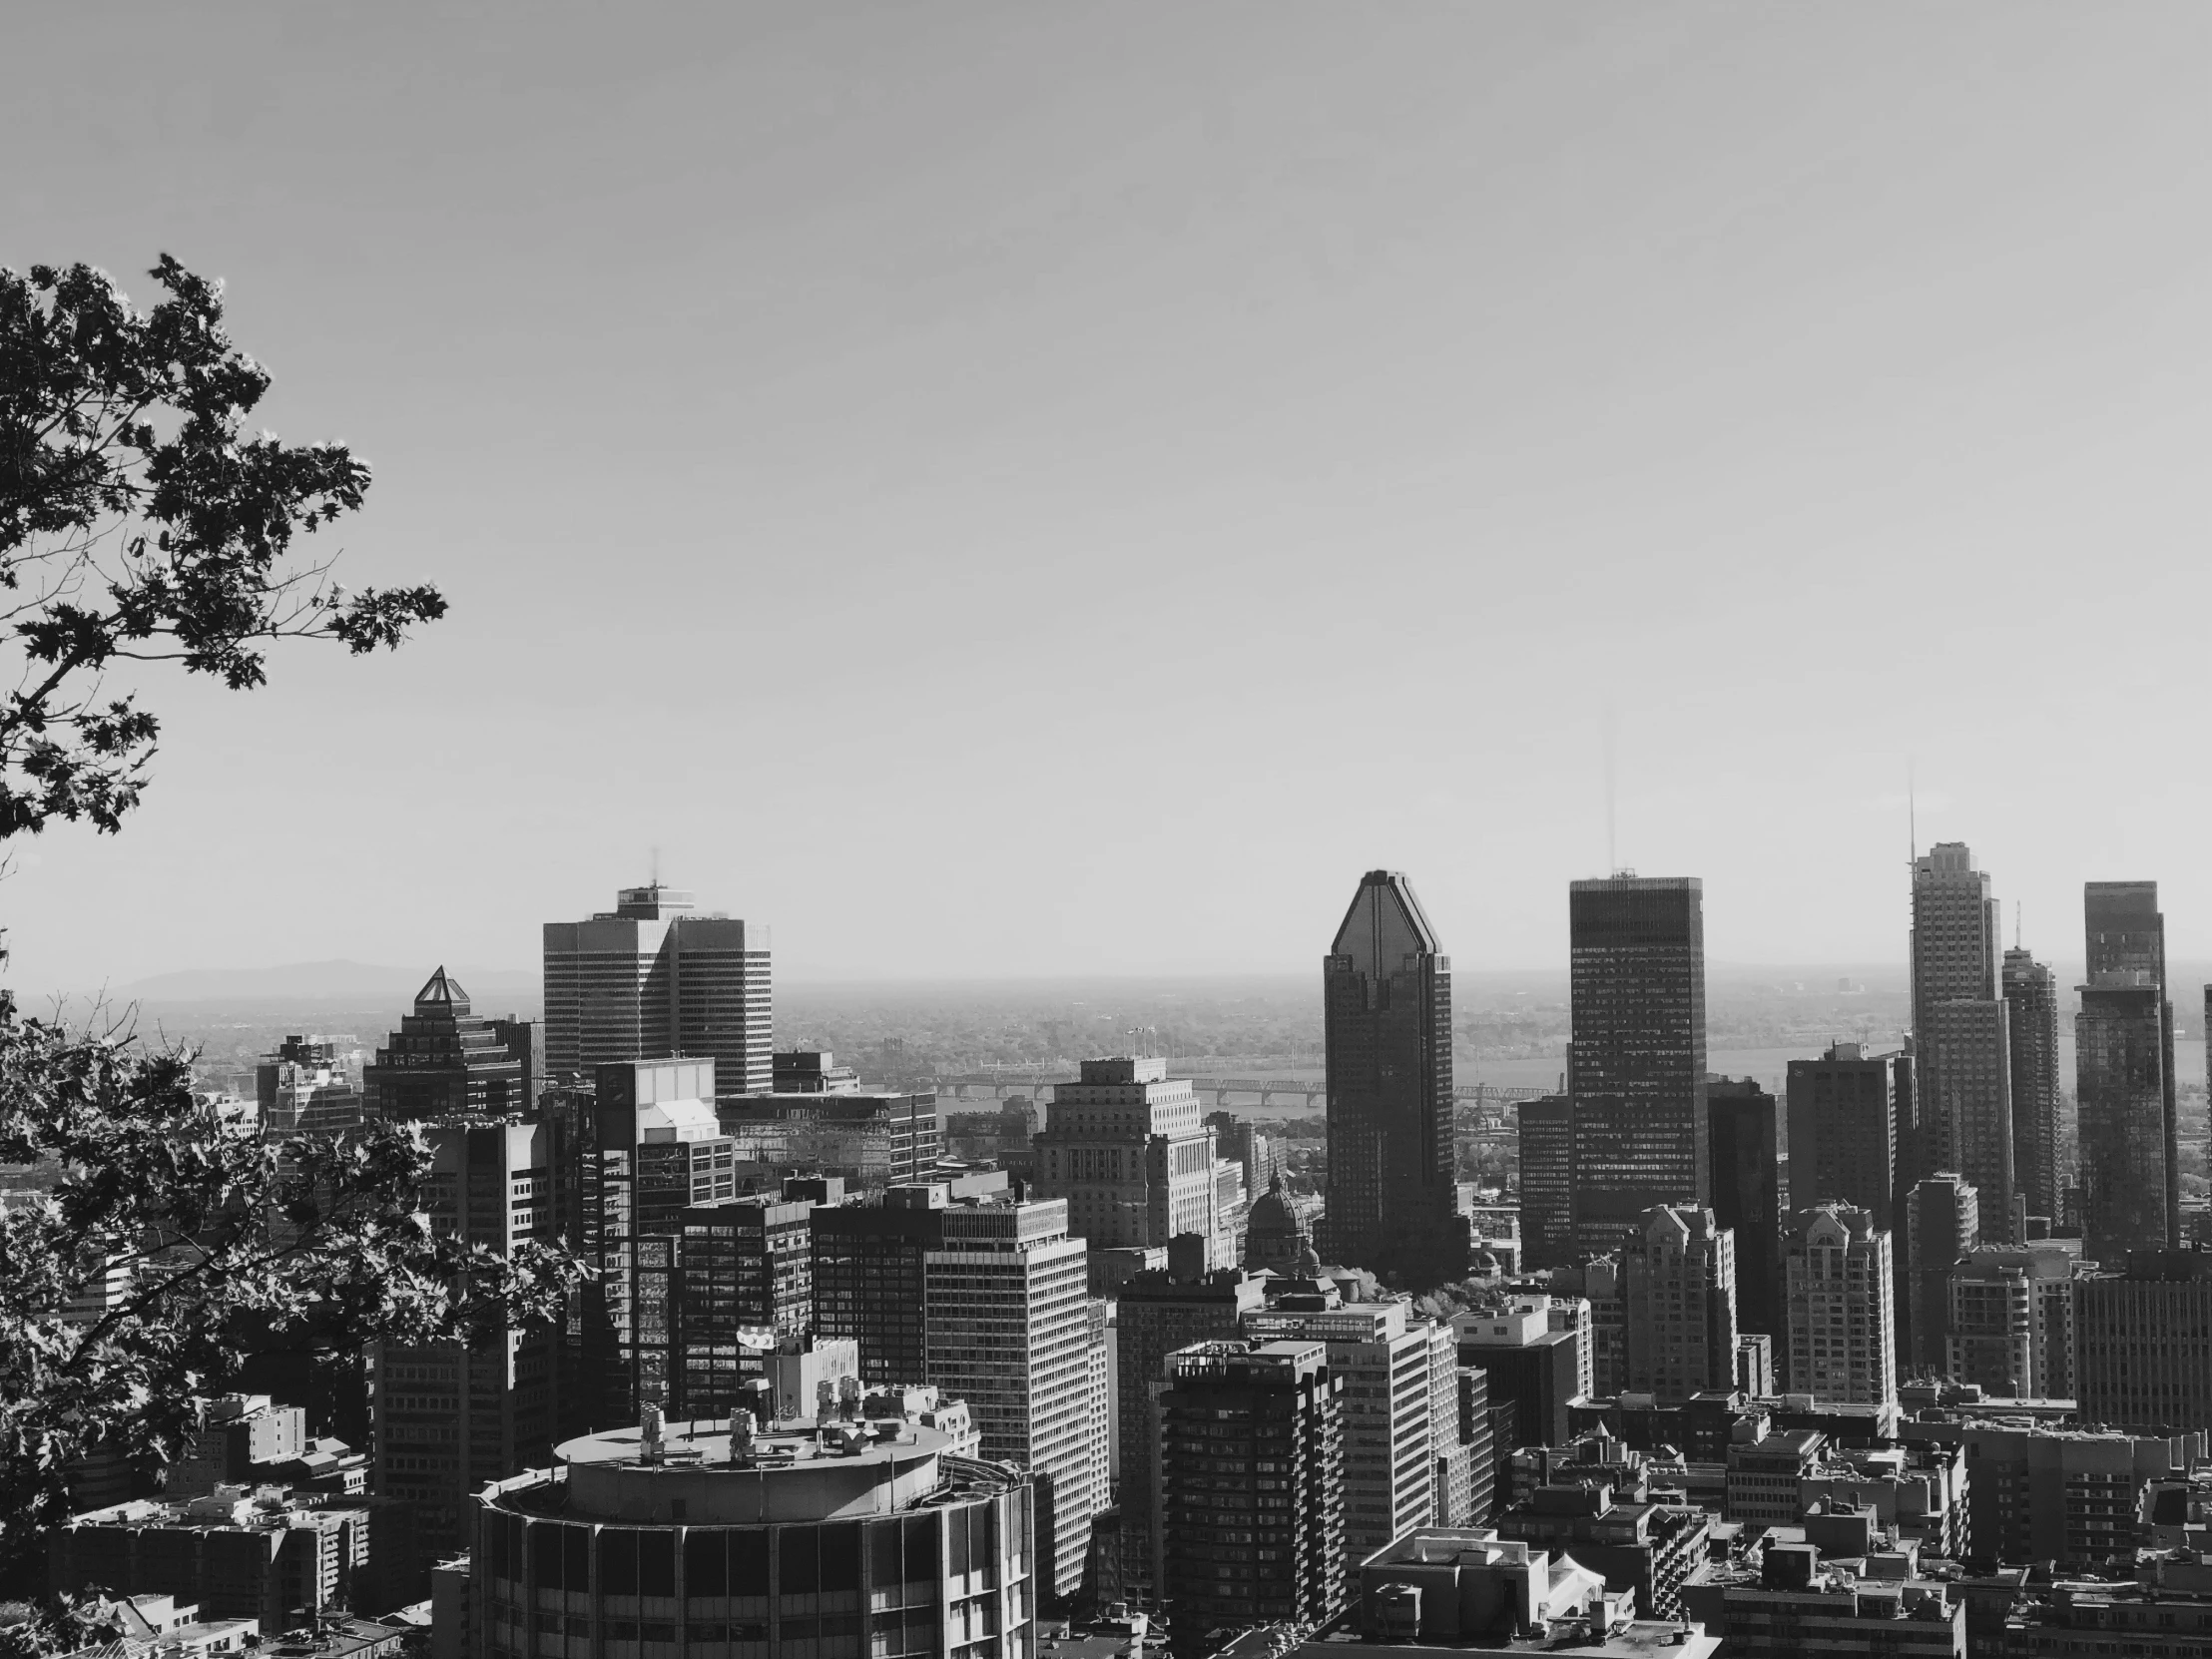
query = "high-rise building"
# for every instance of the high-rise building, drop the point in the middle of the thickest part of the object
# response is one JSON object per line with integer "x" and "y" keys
{"x": 869, "y": 1278}
{"x": 1007, "y": 1328}
{"x": 1961, "y": 1033}
{"x": 847, "y": 1536}
{"x": 1387, "y": 1008}
{"x": 308, "y": 1086}
{"x": 2123, "y": 1075}
{"x": 1598, "y": 1284}
{"x": 2064, "y": 1496}
{"x": 1546, "y": 1153}
{"x": 2012, "y": 1320}
{"x": 1528, "y": 1367}
{"x": 2032, "y": 1004}
{"x": 869, "y": 1138}
{"x": 1264, "y": 1546}
{"x": 1392, "y": 1439}
{"x": 449, "y": 1417}
{"x": 444, "y": 1060}
{"x": 1844, "y": 1132}
{"x": 744, "y": 1278}
{"x": 1842, "y": 1290}
{"x": 2143, "y": 1342}
{"x": 1158, "y": 1313}
{"x": 654, "y": 1150}
{"x": 1747, "y": 1194}
{"x": 1942, "y": 1221}
{"x": 1636, "y": 1060}
{"x": 2125, "y": 935}
{"x": 1679, "y": 1287}
{"x": 648, "y": 981}
{"x": 1129, "y": 1150}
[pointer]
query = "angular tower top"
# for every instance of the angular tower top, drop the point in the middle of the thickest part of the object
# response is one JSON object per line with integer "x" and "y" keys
{"x": 1384, "y": 924}
{"x": 652, "y": 903}
{"x": 442, "y": 994}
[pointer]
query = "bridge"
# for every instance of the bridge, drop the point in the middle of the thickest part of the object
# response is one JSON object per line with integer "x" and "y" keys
{"x": 1312, "y": 1091}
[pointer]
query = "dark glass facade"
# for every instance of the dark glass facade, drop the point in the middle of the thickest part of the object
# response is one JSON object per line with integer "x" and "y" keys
{"x": 1546, "y": 1135}
{"x": 1252, "y": 1488}
{"x": 1636, "y": 1061}
{"x": 445, "y": 1061}
{"x": 1386, "y": 999}
{"x": 1745, "y": 1122}
{"x": 2032, "y": 1000}
{"x": 2125, "y": 939}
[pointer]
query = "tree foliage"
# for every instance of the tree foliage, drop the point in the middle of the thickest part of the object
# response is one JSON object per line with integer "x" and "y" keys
{"x": 215, "y": 1246}
{"x": 138, "y": 524}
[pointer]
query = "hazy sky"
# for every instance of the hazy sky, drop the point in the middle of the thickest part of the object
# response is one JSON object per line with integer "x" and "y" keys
{"x": 1030, "y": 489}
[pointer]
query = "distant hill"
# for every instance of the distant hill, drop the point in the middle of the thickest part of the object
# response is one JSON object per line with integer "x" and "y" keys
{"x": 310, "y": 981}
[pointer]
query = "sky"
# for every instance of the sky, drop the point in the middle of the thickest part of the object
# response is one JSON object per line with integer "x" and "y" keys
{"x": 1002, "y": 490}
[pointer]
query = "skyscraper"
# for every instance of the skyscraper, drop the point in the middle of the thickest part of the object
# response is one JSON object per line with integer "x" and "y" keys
{"x": 1747, "y": 1196}
{"x": 1842, "y": 1290}
{"x": 1637, "y": 1060}
{"x": 1231, "y": 1406}
{"x": 448, "y": 1416}
{"x": 1843, "y": 1132}
{"x": 2141, "y": 1355}
{"x": 647, "y": 981}
{"x": 2031, "y": 1004}
{"x": 1961, "y": 1032}
{"x": 1007, "y": 1328}
{"x": 1679, "y": 1287}
{"x": 1386, "y": 1001}
{"x": 1160, "y": 1312}
{"x": 1127, "y": 1148}
{"x": 443, "y": 1060}
{"x": 2124, "y": 1074}
{"x": 1546, "y": 1148}
{"x": 1942, "y": 1221}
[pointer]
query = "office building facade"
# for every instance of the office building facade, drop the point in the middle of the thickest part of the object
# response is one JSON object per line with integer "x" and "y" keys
{"x": 651, "y": 981}
{"x": 2123, "y": 1075}
{"x": 2143, "y": 1342}
{"x": 2032, "y": 1008}
{"x": 1129, "y": 1150}
{"x": 1387, "y": 1008}
{"x": 1264, "y": 1546}
{"x": 445, "y": 1060}
{"x": 1942, "y": 1219}
{"x": 1746, "y": 1127}
{"x": 1007, "y": 1328}
{"x": 1961, "y": 1031}
{"x": 1636, "y": 1059}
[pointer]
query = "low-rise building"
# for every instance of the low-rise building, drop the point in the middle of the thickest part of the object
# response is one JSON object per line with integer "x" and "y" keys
{"x": 1767, "y": 1470}
{"x": 2164, "y": 1613}
{"x": 1642, "y": 1547}
{"x": 1801, "y": 1605}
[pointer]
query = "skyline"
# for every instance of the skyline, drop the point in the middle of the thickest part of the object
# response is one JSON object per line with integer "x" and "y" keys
{"x": 986, "y": 519}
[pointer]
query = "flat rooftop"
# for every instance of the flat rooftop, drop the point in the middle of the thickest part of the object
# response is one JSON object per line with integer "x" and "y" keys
{"x": 707, "y": 1444}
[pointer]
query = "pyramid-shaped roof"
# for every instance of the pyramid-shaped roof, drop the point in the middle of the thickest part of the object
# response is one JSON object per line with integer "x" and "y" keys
{"x": 442, "y": 993}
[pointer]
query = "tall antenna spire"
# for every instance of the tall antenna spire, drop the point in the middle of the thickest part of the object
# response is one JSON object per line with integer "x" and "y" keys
{"x": 1912, "y": 816}
{"x": 1612, "y": 852}
{"x": 2015, "y": 924}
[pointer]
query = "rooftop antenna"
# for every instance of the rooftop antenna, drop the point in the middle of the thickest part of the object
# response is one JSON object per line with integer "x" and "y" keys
{"x": 656, "y": 867}
{"x": 1912, "y": 816}
{"x": 1613, "y": 856}
{"x": 2015, "y": 924}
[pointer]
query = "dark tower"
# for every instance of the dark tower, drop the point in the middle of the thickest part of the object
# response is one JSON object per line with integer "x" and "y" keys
{"x": 1747, "y": 1197}
{"x": 2124, "y": 1070}
{"x": 1387, "y": 1000}
{"x": 2031, "y": 1002}
{"x": 1960, "y": 1035}
{"x": 1636, "y": 1062}
{"x": 444, "y": 1060}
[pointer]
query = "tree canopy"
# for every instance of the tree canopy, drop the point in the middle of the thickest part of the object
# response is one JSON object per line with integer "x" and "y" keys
{"x": 138, "y": 524}
{"x": 191, "y": 1244}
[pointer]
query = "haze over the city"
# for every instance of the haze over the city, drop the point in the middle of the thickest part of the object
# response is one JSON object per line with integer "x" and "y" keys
{"x": 989, "y": 521}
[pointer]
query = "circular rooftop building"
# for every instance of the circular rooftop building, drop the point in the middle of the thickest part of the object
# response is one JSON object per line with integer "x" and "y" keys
{"x": 862, "y": 1539}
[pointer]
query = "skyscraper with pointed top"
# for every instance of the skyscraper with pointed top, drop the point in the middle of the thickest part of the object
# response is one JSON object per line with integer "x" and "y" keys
{"x": 2032, "y": 1000}
{"x": 1386, "y": 1003}
{"x": 446, "y": 1060}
